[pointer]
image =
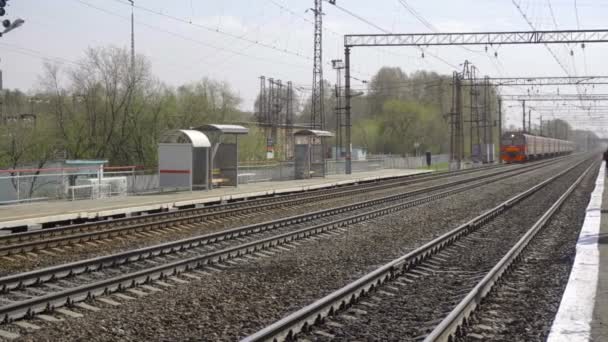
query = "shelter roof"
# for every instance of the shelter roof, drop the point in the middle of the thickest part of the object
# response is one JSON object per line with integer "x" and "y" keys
{"x": 314, "y": 132}
{"x": 186, "y": 136}
{"x": 225, "y": 129}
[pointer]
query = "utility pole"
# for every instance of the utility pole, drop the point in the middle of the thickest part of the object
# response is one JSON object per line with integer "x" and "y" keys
{"x": 541, "y": 126}
{"x": 523, "y": 104}
{"x": 488, "y": 123}
{"x": 289, "y": 138}
{"x": 530, "y": 121}
{"x": 318, "y": 97}
{"x": 132, "y": 34}
{"x": 262, "y": 101}
{"x": 349, "y": 145}
{"x": 269, "y": 140}
{"x": 1, "y": 100}
{"x": 500, "y": 129}
{"x": 276, "y": 113}
{"x": 456, "y": 122}
{"x": 317, "y": 119}
{"x": 338, "y": 65}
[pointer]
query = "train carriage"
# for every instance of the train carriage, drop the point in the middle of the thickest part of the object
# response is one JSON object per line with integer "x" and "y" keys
{"x": 518, "y": 147}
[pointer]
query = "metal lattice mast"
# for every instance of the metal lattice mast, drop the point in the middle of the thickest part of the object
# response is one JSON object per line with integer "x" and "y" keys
{"x": 317, "y": 116}
{"x": 456, "y": 122}
{"x": 262, "y": 101}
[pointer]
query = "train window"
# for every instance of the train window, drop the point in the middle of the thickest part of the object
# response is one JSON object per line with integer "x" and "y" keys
{"x": 519, "y": 140}
{"x": 512, "y": 139}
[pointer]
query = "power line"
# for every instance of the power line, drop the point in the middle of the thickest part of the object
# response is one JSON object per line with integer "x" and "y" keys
{"x": 304, "y": 18}
{"x": 387, "y": 31}
{"x": 431, "y": 27}
{"x": 418, "y": 16}
{"x": 216, "y": 30}
{"x": 523, "y": 14}
{"x": 37, "y": 54}
{"x": 578, "y": 25}
{"x": 360, "y": 18}
{"x": 183, "y": 37}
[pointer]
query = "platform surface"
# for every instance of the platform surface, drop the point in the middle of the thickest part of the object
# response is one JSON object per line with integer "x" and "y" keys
{"x": 600, "y": 313}
{"x": 38, "y": 213}
{"x": 583, "y": 311}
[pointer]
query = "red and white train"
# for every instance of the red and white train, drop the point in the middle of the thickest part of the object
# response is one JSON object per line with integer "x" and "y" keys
{"x": 519, "y": 147}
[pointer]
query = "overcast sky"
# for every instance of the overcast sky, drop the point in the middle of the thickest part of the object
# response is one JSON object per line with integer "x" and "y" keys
{"x": 192, "y": 39}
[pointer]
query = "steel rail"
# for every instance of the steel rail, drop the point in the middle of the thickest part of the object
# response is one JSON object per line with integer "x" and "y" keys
{"x": 35, "y": 277}
{"x": 245, "y": 206}
{"x": 39, "y": 304}
{"x": 35, "y": 245}
{"x": 451, "y": 325}
{"x": 302, "y": 319}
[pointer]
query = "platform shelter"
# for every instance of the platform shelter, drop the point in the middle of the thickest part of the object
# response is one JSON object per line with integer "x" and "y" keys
{"x": 183, "y": 160}
{"x": 309, "y": 153}
{"x": 224, "y": 152}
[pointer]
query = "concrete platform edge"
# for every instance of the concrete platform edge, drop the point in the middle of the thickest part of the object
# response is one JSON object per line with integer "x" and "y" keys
{"x": 129, "y": 210}
{"x": 575, "y": 314}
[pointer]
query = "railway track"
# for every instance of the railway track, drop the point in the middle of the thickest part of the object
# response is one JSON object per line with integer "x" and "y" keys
{"x": 25, "y": 294}
{"x": 63, "y": 236}
{"x": 413, "y": 293}
{"x": 241, "y": 204}
{"x": 458, "y": 322}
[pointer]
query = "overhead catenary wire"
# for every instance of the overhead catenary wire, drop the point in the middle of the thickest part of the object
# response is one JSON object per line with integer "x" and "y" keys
{"x": 192, "y": 40}
{"x": 529, "y": 22}
{"x": 325, "y": 29}
{"x": 432, "y": 28}
{"x": 578, "y": 25}
{"x": 38, "y": 54}
{"x": 368, "y": 22}
{"x": 215, "y": 30}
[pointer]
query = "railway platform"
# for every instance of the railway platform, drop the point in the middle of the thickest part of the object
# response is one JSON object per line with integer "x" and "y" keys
{"x": 35, "y": 215}
{"x": 583, "y": 311}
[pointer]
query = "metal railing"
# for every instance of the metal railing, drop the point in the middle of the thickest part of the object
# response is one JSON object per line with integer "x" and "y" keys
{"x": 29, "y": 185}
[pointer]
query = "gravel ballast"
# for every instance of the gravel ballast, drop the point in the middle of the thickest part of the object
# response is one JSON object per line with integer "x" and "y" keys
{"x": 411, "y": 310}
{"x": 250, "y": 295}
{"x": 522, "y": 307}
{"x": 95, "y": 248}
